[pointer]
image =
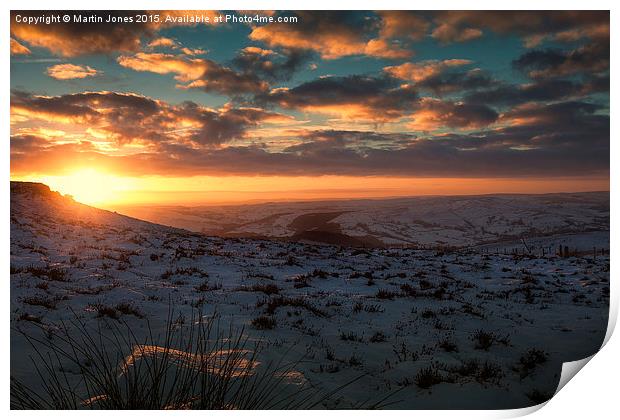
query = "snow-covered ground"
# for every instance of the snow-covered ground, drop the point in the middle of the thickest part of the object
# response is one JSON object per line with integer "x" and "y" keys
{"x": 456, "y": 221}
{"x": 492, "y": 328}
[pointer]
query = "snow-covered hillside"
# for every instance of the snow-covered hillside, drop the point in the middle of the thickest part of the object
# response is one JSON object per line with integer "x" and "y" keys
{"x": 453, "y": 329}
{"x": 578, "y": 220}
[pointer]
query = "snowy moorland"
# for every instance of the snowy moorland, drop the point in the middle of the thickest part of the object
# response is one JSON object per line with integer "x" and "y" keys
{"x": 577, "y": 220}
{"x": 435, "y": 328}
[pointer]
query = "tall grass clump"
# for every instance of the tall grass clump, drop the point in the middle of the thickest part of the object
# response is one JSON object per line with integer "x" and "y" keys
{"x": 193, "y": 366}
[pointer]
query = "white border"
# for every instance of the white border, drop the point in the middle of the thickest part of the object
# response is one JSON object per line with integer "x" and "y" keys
{"x": 592, "y": 395}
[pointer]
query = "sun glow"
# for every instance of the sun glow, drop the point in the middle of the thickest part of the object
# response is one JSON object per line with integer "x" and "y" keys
{"x": 99, "y": 187}
{"x": 89, "y": 185}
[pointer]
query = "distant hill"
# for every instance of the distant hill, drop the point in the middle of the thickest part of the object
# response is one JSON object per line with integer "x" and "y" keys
{"x": 448, "y": 221}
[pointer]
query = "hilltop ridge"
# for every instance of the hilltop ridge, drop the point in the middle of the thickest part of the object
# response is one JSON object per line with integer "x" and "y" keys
{"x": 34, "y": 198}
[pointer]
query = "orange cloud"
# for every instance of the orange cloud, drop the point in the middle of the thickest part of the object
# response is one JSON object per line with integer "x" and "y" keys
{"x": 395, "y": 24}
{"x": 422, "y": 70}
{"x": 257, "y": 51}
{"x": 71, "y": 71}
{"x": 163, "y": 42}
{"x": 448, "y": 33}
{"x": 193, "y": 51}
{"x": 185, "y": 69}
{"x": 329, "y": 45}
{"x": 73, "y": 39}
{"x": 596, "y": 32}
{"x": 195, "y": 72}
{"x": 172, "y": 44}
{"x": 18, "y": 49}
{"x": 327, "y": 35}
{"x": 382, "y": 48}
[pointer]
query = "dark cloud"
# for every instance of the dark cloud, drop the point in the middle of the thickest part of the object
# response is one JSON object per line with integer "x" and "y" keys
{"x": 84, "y": 107}
{"x": 533, "y": 26}
{"x": 589, "y": 58}
{"x": 374, "y": 98}
{"x": 128, "y": 117}
{"x": 541, "y": 90}
{"x": 270, "y": 65}
{"x": 316, "y": 140}
{"x": 434, "y": 113}
{"x": 571, "y": 118}
{"x": 456, "y": 81}
{"x": 220, "y": 79}
{"x": 28, "y": 143}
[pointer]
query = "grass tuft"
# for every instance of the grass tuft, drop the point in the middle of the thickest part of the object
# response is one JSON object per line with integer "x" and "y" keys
{"x": 190, "y": 366}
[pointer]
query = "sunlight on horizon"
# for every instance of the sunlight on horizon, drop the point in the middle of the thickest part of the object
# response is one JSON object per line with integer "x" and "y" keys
{"x": 88, "y": 185}
{"x": 98, "y": 187}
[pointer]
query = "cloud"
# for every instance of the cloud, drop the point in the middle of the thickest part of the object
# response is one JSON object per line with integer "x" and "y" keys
{"x": 171, "y": 44}
{"x": 541, "y": 90}
{"x": 73, "y": 39}
{"x": 442, "y": 76}
{"x": 598, "y": 32}
{"x": 457, "y": 81}
{"x": 332, "y": 34}
{"x": 545, "y": 63}
{"x": 163, "y": 42}
{"x": 322, "y": 139}
{"x": 270, "y": 65}
{"x": 19, "y": 49}
{"x": 185, "y": 69}
{"x": 195, "y": 73}
{"x": 447, "y": 33}
{"x": 125, "y": 118}
{"x": 581, "y": 116}
{"x": 417, "y": 72}
{"x": 433, "y": 113}
{"x": 71, "y": 71}
{"x": 532, "y": 26}
{"x": 403, "y": 24}
{"x": 378, "y": 99}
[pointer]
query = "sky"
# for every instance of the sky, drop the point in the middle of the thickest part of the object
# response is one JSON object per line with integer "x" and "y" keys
{"x": 312, "y": 105}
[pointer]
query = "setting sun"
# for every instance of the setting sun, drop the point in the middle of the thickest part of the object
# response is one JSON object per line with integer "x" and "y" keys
{"x": 89, "y": 185}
